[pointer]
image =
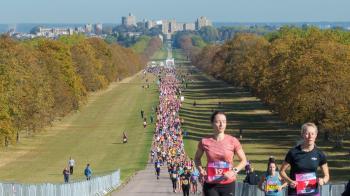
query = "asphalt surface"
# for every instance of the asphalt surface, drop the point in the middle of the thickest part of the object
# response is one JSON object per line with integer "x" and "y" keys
{"x": 145, "y": 183}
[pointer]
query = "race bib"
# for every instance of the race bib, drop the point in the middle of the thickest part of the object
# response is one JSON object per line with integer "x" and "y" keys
{"x": 216, "y": 170}
{"x": 307, "y": 183}
{"x": 185, "y": 182}
{"x": 271, "y": 187}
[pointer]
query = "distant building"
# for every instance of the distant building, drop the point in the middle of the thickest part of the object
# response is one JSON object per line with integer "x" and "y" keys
{"x": 129, "y": 20}
{"x": 169, "y": 26}
{"x": 88, "y": 28}
{"x": 189, "y": 27}
{"x": 54, "y": 32}
{"x": 150, "y": 24}
{"x": 180, "y": 26}
{"x": 98, "y": 28}
{"x": 202, "y": 22}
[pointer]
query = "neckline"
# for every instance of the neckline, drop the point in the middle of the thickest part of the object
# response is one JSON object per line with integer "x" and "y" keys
{"x": 301, "y": 148}
{"x": 213, "y": 138}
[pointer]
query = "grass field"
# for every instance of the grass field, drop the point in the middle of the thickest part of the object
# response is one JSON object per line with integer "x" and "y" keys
{"x": 160, "y": 54}
{"x": 91, "y": 135}
{"x": 264, "y": 134}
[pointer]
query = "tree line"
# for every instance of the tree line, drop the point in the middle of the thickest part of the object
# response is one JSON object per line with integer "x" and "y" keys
{"x": 43, "y": 79}
{"x": 303, "y": 74}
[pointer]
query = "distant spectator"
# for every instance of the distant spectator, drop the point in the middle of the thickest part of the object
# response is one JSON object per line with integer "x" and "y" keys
{"x": 142, "y": 113}
{"x": 88, "y": 172}
{"x": 66, "y": 175}
{"x": 71, "y": 164}
{"x": 252, "y": 178}
{"x": 240, "y": 133}
{"x": 144, "y": 123}
{"x": 247, "y": 167}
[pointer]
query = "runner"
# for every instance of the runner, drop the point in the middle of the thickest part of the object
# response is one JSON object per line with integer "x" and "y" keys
{"x": 173, "y": 177}
{"x": 220, "y": 149}
{"x": 194, "y": 181}
{"x": 185, "y": 182}
{"x": 304, "y": 160}
{"x": 272, "y": 183}
{"x": 125, "y": 138}
{"x": 157, "y": 168}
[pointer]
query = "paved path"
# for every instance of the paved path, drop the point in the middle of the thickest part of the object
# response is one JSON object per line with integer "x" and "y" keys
{"x": 145, "y": 183}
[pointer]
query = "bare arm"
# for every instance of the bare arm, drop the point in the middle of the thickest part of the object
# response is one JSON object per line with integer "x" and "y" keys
{"x": 242, "y": 158}
{"x": 284, "y": 184}
{"x": 284, "y": 175}
{"x": 242, "y": 163}
{"x": 198, "y": 162}
{"x": 325, "y": 171}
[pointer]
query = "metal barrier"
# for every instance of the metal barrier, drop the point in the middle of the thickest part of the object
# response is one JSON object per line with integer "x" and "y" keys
{"x": 95, "y": 187}
{"x": 244, "y": 189}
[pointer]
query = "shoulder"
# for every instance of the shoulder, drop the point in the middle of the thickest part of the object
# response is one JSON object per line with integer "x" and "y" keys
{"x": 294, "y": 149}
{"x": 205, "y": 141}
{"x": 231, "y": 138}
{"x": 320, "y": 153}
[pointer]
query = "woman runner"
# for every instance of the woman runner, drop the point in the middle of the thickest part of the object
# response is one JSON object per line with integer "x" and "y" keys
{"x": 219, "y": 149}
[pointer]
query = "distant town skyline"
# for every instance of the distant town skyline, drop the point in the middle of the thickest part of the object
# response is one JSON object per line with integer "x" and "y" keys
{"x": 110, "y": 11}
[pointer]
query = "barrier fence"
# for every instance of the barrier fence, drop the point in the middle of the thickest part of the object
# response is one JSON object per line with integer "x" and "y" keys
{"x": 244, "y": 189}
{"x": 102, "y": 185}
{"x": 96, "y": 186}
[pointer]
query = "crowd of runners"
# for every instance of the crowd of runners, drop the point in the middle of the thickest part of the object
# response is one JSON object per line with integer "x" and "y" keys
{"x": 168, "y": 147}
{"x": 218, "y": 176}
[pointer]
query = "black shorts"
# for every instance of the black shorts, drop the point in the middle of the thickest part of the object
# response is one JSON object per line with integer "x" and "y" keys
{"x": 219, "y": 189}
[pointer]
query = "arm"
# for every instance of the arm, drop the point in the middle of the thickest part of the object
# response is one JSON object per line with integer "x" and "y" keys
{"x": 284, "y": 184}
{"x": 261, "y": 183}
{"x": 284, "y": 175}
{"x": 325, "y": 171}
{"x": 197, "y": 161}
{"x": 242, "y": 163}
{"x": 242, "y": 158}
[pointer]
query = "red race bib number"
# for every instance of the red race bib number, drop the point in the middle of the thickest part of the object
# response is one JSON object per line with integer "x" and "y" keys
{"x": 216, "y": 170}
{"x": 307, "y": 183}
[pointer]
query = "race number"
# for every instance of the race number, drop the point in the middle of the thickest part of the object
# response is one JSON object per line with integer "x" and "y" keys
{"x": 307, "y": 183}
{"x": 216, "y": 170}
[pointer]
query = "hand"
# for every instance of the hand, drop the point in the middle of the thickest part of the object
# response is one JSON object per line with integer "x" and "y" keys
{"x": 202, "y": 173}
{"x": 293, "y": 184}
{"x": 279, "y": 188}
{"x": 230, "y": 174}
{"x": 321, "y": 181}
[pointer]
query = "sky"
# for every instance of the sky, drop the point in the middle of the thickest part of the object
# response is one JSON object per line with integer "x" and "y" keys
{"x": 111, "y": 11}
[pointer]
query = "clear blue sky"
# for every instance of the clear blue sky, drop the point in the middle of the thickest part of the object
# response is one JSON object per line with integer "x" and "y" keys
{"x": 110, "y": 11}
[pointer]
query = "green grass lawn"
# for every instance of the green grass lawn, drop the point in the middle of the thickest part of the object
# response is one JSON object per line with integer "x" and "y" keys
{"x": 141, "y": 44}
{"x": 91, "y": 135}
{"x": 160, "y": 54}
{"x": 264, "y": 134}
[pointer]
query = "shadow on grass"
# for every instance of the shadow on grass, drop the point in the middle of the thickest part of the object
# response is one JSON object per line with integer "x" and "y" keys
{"x": 262, "y": 129}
